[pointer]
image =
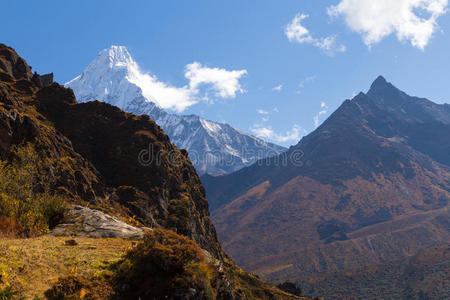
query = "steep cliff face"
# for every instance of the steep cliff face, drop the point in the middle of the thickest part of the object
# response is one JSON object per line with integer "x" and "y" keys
{"x": 372, "y": 184}
{"x": 154, "y": 179}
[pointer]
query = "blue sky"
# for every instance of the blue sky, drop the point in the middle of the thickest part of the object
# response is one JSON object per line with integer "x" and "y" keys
{"x": 165, "y": 36}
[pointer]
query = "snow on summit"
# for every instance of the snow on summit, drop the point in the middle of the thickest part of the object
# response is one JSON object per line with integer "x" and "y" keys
{"x": 114, "y": 77}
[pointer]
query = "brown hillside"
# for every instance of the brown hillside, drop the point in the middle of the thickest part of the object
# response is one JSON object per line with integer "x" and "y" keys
{"x": 370, "y": 185}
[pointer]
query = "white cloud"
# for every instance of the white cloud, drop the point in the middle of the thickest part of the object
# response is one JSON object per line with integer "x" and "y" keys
{"x": 262, "y": 130}
{"x": 329, "y": 45}
{"x": 166, "y": 96}
{"x": 296, "y": 32}
{"x": 411, "y": 20}
{"x": 265, "y": 115}
{"x": 323, "y": 111}
{"x": 268, "y": 133}
{"x": 225, "y": 83}
{"x": 278, "y": 88}
{"x": 307, "y": 80}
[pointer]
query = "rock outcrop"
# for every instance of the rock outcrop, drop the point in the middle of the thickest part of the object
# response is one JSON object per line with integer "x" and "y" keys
{"x": 85, "y": 222}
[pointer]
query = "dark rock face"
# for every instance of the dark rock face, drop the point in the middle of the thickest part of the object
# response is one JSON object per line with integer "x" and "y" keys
{"x": 113, "y": 141}
{"x": 42, "y": 80}
{"x": 13, "y": 65}
{"x": 379, "y": 166}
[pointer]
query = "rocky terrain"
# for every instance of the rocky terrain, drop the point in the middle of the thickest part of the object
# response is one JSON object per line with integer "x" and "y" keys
{"x": 371, "y": 185}
{"x": 56, "y": 153}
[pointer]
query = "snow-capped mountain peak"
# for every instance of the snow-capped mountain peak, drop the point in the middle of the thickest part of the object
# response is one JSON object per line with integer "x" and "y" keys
{"x": 114, "y": 77}
{"x": 111, "y": 77}
{"x": 117, "y": 56}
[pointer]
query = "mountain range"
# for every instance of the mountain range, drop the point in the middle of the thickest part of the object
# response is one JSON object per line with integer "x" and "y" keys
{"x": 358, "y": 209}
{"x": 214, "y": 148}
{"x": 371, "y": 185}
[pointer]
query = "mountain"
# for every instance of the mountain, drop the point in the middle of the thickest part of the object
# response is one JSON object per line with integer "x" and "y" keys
{"x": 114, "y": 77}
{"x": 370, "y": 185}
{"x": 55, "y": 152}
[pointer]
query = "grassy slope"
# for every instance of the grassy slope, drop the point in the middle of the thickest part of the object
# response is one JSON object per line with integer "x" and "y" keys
{"x": 31, "y": 266}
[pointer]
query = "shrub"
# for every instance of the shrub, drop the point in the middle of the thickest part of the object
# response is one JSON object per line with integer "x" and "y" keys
{"x": 8, "y": 227}
{"x": 164, "y": 264}
{"x": 79, "y": 287}
{"x": 180, "y": 214}
{"x": 27, "y": 205}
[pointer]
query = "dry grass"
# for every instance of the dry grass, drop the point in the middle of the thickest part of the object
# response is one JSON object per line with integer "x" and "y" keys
{"x": 31, "y": 266}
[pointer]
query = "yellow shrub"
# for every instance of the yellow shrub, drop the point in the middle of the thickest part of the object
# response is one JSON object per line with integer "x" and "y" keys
{"x": 25, "y": 192}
